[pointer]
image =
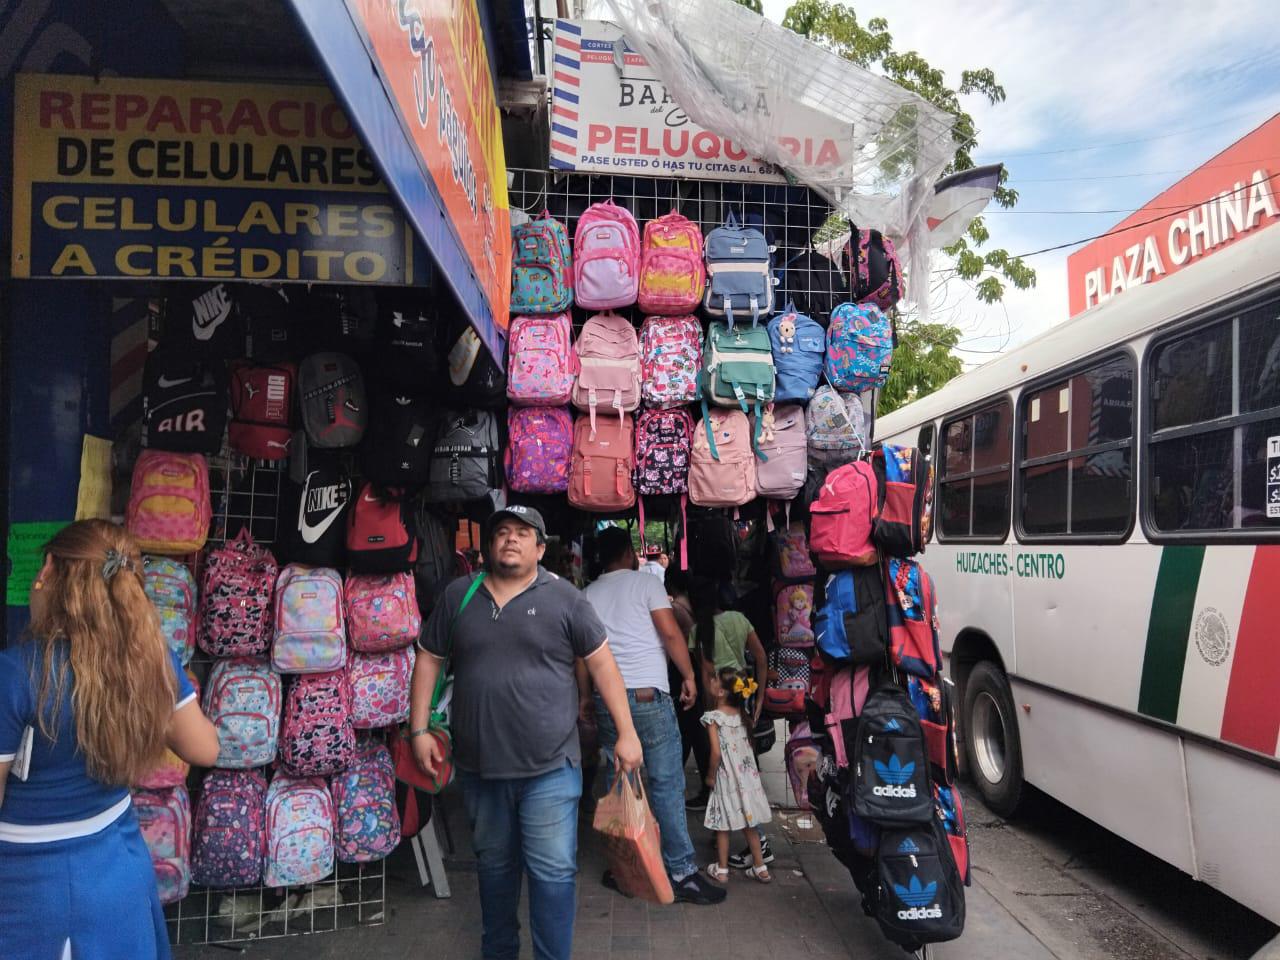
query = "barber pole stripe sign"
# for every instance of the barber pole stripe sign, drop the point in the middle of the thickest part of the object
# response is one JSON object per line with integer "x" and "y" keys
{"x": 564, "y": 106}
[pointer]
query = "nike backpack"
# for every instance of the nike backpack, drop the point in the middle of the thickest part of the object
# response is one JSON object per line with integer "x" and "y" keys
{"x": 242, "y": 700}
{"x": 364, "y": 800}
{"x": 382, "y": 611}
{"x": 540, "y": 361}
{"x": 891, "y": 784}
{"x": 207, "y": 324}
{"x": 313, "y": 521}
{"x": 169, "y": 507}
{"x": 782, "y": 451}
{"x": 664, "y": 443}
{"x": 672, "y": 274}
{"x": 237, "y": 586}
{"x": 184, "y": 403}
{"x": 852, "y": 625}
{"x": 602, "y": 465}
{"x": 300, "y": 826}
{"x": 541, "y": 267}
{"x": 670, "y": 360}
{"x": 230, "y": 829}
{"x": 834, "y": 425}
{"x": 920, "y": 896}
{"x": 739, "y": 273}
{"x": 738, "y": 367}
{"x": 475, "y": 378}
{"x": 310, "y": 626}
{"x": 270, "y": 327}
{"x": 466, "y": 460}
{"x": 331, "y": 397}
{"x": 911, "y": 609}
{"x": 408, "y": 352}
{"x": 860, "y": 345}
{"x": 840, "y": 520}
{"x": 722, "y": 466}
{"x": 380, "y": 532}
{"x": 396, "y": 450}
{"x": 799, "y": 347}
{"x": 904, "y": 514}
{"x": 380, "y": 687}
{"x": 164, "y": 817}
{"x": 874, "y": 266}
{"x": 606, "y": 257}
{"x": 608, "y": 367}
{"x": 172, "y": 590}
{"x": 539, "y": 447}
{"x": 261, "y": 410}
{"x": 317, "y": 734}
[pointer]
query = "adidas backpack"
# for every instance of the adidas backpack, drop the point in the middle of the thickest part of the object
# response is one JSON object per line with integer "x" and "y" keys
{"x": 380, "y": 687}
{"x": 539, "y": 445}
{"x": 860, "y": 345}
{"x": 317, "y": 735}
{"x": 237, "y": 584}
{"x": 840, "y": 519}
{"x": 920, "y": 896}
{"x": 541, "y": 267}
{"x": 261, "y": 410}
{"x": 364, "y": 800}
{"x": 310, "y": 626}
{"x": 540, "y": 361}
{"x": 664, "y": 442}
{"x": 164, "y": 817}
{"x": 172, "y": 590}
{"x": 782, "y": 450}
{"x": 242, "y": 700}
{"x": 169, "y": 507}
{"x": 608, "y": 366}
{"x": 739, "y": 273}
{"x": 722, "y": 466}
{"x": 891, "y": 784}
{"x": 396, "y": 450}
{"x": 904, "y": 514}
{"x": 738, "y": 367}
{"x": 184, "y": 403}
{"x": 380, "y": 532}
{"x": 672, "y": 274}
{"x": 332, "y": 400}
{"x": 874, "y": 267}
{"x": 408, "y": 354}
{"x": 300, "y": 825}
{"x": 606, "y": 257}
{"x": 799, "y": 347}
{"x": 466, "y": 461}
{"x": 230, "y": 829}
{"x": 603, "y": 462}
{"x": 670, "y": 360}
{"x": 381, "y": 611}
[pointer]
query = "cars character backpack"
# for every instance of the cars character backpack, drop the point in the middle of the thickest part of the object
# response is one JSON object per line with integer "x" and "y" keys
{"x": 722, "y": 466}
{"x": 860, "y": 342}
{"x": 466, "y": 461}
{"x": 310, "y": 625}
{"x": 670, "y": 360}
{"x": 169, "y": 507}
{"x": 364, "y": 799}
{"x": 603, "y": 463}
{"x": 230, "y": 829}
{"x": 672, "y": 274}
{"x": 331, "y": 397}
{"x": 606, "y": 257}
{"x": 184, "y": 403}
{"x": 874, "y": 267}
{"x": 799, "y": 348}
{"x": 380, "y": 534}
{"x": 781, "y": 450}
{"x": 242, "y": 700}
{"x": 664, "y": 442}
{"x": 541, "y": 267}
{"x": 541, "y": 363}
{"x": 317, "y": 735}
{"x": 164, "y": 817}
{"x": 172, "y": 590}
{"x": 237, "y": 588}
{"x": 382, "y": 611}
{"x": 261, "y": 410}
{"x": 539, "y": 445}
{"x": 739, "y": 273}
{"x": 380, "y": 687}
{"x": 608, "y": 366}
{"x": 300, "y": 825}
{"x": 788, "y": 682}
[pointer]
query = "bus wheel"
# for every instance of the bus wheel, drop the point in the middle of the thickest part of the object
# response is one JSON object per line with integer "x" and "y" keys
{"x": 991, "y": 738}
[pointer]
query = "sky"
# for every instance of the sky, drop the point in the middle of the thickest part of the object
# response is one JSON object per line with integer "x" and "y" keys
{"x": 1165, "y": 85}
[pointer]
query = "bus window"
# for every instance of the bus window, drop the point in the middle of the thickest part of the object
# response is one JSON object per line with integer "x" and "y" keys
{"x": 1215, "y": 404}
{"x": 973, "y": 499}
{"x": 1077, "y": 464}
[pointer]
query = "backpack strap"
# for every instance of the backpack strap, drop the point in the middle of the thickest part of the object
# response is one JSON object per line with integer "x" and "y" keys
{"x": 731, "y": 220}
{"x": 755, "y": 309}
{"x": 728, "y": 312}
{"x": 684, "y": 531}
{"x": 453, "y": 625}
{"x": 711, "y": 434}
{"x": 755, "y": 434}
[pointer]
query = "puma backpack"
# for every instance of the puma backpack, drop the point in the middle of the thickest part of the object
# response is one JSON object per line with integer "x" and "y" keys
{"x": 261, "y": 410}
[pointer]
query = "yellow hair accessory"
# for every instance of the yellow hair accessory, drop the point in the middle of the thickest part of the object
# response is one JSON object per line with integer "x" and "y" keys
{"x": 746, "y": 687}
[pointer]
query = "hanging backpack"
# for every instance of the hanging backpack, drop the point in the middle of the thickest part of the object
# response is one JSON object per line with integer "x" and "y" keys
{"x": 242, "y": 700}
{"x": 541, "y": 266}
{"x": 852, "y": 626}
{"x": 381, "y": 611}
{"x": 608, "y": 366}
{"x": 164, "y": 817}
{"x": 664, "y": 442}
{"x": 722, "y": 466}
{"x": 539, "y": 443}
{"x": 891, "y": 785}
{"x": 267, "y": 315}
{"x": 205, "y": 324}
{"x": 904, "y": 513}
{"x": 476, "y": 379}
{"x": 169, "y": 508}
{"x": 670, "y": 360}
{"x": 317, "y": 735}
{"x": 466, "y": 461}
{"x": 313, "y": 520}
{"x": 799, "y": 347}
{"x": 792, "y": 561}
{"x": 738, "y": 367}
{"x": 184, "y": 402}
{"x": 739, "y": 273}
{"x": 170, "y": 587}
{"x": 364, "y": 800}
{"x": 300, "y": 825}
{"x": 920, "y": 896}
{"x": 408, "y": 353}
{"x": 541, "y": 364}
{"x": 602, "y": 465}
{"x": 340, "y": 318}
{"x": 948, "y": 805}
{"x": 788, "y": 682}
{"x": 310, "y": 627}
{"x": 672, "y": 275}
{"x": 380, "y": 687}
{"x": 835, "y": 432}
{"x": 331, "y": 398}
{"x": 236, "y": 588}
{"x": 860, "y": 345}
{"x": 911, "y": 608}
{"x": 840, "y": 519}
{"x": 437, "y": 556}
{"x": 802, "y": 758}
{"x": 873, "y": 264}
{"x": 815, "y": 282}
{"x": 782, "y": 450}
{"x": 606, "y": 257}
{"x": 793, "y": 614}
{"x": 230, "y": 829}
{"x": 396, "y": 450}
{"x": 261, "y": 410}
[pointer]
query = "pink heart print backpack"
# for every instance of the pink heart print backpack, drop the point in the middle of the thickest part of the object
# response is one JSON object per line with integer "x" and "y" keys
{"x": 670, "y": 358}
{"x": 172, "y": 591}
{"x": 364, "y": 799}
{"x": 380, "y": 687}
{"x": 539, "y": 444}
{"x": 672, "y": 274}
{"x": 242, "y": 700}
{"x": 382, "y": 611}
{"x": 317, "y": 737}
{"x": 311, "y": 634}
{"x": 235, "y": 599}
{"x": 300, "y": 824}
{"x": 664, "y": 440}
{"x": 164, "y": 817}
{"x": 606, "y": 257}
{"x": 541, "y": 363}
{"x": 230, "y": 829}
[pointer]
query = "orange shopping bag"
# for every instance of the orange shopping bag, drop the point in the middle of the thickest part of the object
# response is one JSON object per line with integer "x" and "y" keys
{"x": 632, "y": 843}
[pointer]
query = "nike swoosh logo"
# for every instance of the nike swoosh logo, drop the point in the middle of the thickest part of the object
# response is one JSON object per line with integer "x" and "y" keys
{"x": 164, "y": 382}
{"x": 311, "y": 533}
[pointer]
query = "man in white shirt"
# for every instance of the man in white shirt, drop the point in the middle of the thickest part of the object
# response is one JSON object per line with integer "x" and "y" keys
{"x": 643, "y": 633}
{"x": 655, "y": 561}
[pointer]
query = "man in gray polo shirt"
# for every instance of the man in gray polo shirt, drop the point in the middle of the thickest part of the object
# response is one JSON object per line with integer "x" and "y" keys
{"x": 515, "y": 741}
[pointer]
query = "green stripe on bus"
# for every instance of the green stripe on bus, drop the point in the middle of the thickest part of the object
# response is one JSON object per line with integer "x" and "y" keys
{"x": 1168, "y": 631}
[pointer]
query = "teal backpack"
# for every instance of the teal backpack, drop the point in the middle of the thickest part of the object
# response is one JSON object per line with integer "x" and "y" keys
{"x": 738, "y": 370}
{"x": 541, "y": 267}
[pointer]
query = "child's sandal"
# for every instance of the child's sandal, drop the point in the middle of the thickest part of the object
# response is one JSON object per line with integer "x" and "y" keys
{"x": 718, "y": 873}
{"x": 760, "y": 874}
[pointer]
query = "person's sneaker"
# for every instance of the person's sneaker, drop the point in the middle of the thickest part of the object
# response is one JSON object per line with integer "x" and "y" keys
{"x": 699, "y": 801}
{"x": 742, "y": 860}
{"x": 697, "y": 889}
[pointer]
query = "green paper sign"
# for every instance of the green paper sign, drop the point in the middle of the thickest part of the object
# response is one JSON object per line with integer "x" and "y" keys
{"x": 25, "y": 558}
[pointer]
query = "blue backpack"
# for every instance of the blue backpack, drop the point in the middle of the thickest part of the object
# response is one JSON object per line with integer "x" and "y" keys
{"x": 860, "y": 342}
{"x": 799, "y": 348}
{"x": 852, "y": 626}
{"x": 739, "y": 272}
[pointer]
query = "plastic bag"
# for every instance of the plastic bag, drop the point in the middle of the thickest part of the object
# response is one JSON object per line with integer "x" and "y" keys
{"x": 632, "y": 842}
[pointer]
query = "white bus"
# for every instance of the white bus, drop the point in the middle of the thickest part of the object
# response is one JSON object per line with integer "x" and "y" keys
{"x": 1106, "y": 550}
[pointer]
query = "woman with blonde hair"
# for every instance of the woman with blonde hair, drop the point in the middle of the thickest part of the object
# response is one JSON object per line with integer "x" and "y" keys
{"x": 89, "y": 700}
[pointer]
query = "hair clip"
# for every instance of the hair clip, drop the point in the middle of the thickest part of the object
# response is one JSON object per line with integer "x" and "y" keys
{"x": 113, "y": 564}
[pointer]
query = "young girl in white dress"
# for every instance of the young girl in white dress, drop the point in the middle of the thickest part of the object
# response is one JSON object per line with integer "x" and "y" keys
{"x": 737, "y": 801}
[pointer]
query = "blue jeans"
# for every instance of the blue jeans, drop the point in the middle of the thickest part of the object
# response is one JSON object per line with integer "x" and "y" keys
{"x": 659, "y": 734}
{"x": 518, "y": 825}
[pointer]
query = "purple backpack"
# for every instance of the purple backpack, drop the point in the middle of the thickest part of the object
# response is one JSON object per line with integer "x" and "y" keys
{"x": 860, "y": 344}
{"x": 380, "y": 687}
{"x": 230, "y": 829}
{"x": 364, "y": 797}
{"x": 540, "y": 367}
{"x": 242, "y": 700}
{"x": 664, "y": 439}
{"x": 300, "y": 823}
{"x": 164, "y": 816}
{"x": 317, "y": 737}
{"x": 539, "y": 443}
{"x": 235, "y": 599}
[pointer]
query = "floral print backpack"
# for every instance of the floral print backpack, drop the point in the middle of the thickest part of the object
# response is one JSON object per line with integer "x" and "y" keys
{"x": 300, "y": 824}
{"x": 317, "y": 737}
{"x": 380, "y": 687}
{"x": 541, "y": 363}
{"x": 364, "y": 797}
{"x": 670, "y": 358}
{"x": 860, "y": 342}
{"x": 664, "y": 439}
{"x": 164, "y": 816}
{"x": 172, "y": 590}
{"x": 230, "y": 829}
{"x": 242, "y": 700}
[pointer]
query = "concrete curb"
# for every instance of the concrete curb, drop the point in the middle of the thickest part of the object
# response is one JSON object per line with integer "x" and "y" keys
{"x": 1032, "y": 922}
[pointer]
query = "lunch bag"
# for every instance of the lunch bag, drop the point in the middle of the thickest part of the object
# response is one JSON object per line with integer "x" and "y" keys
{"x": 237, "y": 585}
{"x": 722, "y": 466}
{"x": 380, "y": 534}
{"x": 541, "y": 266}
{"x": 891, "y": 785}
{"x": 670, "y": 360}
{"x": 317, "y": 735}
{"x": 466, "y": 462}
{"x": 164, "y": 817}
{"x": 300, "y": 825}
{"x": 664, "y": 442}
{"x": 541, "y": 364}
{"x": 904, "y": 512}
{"x": 242, "y": 700}
{"x": 380, "y": 687}
{"x": 381, "y": 611}
{"x": 230, "y": 829}
{"x": 310, "y": 627}
{"x": 739, "y": 273}
{"x": 606, "y": 257}
{"x": 782, "y": 452}
{"x": 603, "y": 462}
{"x": 874, "y": 267}
{"x": 332, "y": 400}
{"x": 860, "y": 345}
{"x": 840, "y": 520}
{"x": 364, "y": 800}
{"x": 171, "y": 589}
{"x": 261, "y": 410}
{"x": 608, "y": 366}
{"x": 799, "y": 349}
{"x": 672, "y": 274}
{"x": 169, "y": 508}
{"x": 539, "y": 446}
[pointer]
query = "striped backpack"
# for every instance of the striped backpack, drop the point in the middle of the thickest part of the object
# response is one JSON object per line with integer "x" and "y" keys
{"x": 169, "y": 508}
{"x": 739, "y": 273}
{"x": 670, "y": 359}
{"x": 539, "y": 443}
{"x": 541, "y": 267}
{"x": 310, "y": 627}
{"x": 242, "y": 700}
{"x": 317, "y": 736}
{"x": 381, "y": 611}
{"x": 606, "y": 257}
{"x": 860, "y": 342}
{"x": 672, "y": 275}
{"x": 364, "y": 798}
{"x": 230, "y": 829}
{"x": 300, "y": 825}
{"x": 172, "y": 590}
{"x": 237, "y": 586}
{"x": 164, "y": 816}
{"x": 380, "y": 687}
{"x": 540, "y": 363}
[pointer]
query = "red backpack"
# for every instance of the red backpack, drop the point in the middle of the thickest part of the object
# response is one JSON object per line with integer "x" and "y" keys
{"x": 602, "y": 465}
{"x": 380, "y": 537}
{"x": 842, "y": 517}
{"x": 262, "y": 410}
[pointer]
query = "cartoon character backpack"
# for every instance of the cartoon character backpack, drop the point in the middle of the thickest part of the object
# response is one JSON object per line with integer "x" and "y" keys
{"x": 860, "y": 342}
{"x": 791, "y": 554}
{"x": 781, "y": 451}
{"x": 541, "y": 267}
{"x": 793, "y": 614}
{"x": 608, "y": 366}
{"x": 722, "y": 466}
{"x": 606, "y": 257}
{"x": 670, "y": 360}
{"x": 541, "y": 364}
{"x": 672, "y": 274}
{"x": 802, "y": 758}
{"x": 300, "y": 826}
{"x": 664, "y": 442}
{"x": 905, "y": 513}
{"x": 364, "y": 798}
{"x": 172, "y": 590}
{"x": 230, "y": 829}
{"x": 600, "y": 474}
{"x": 310, "y": 625}
{"x": 381, "y": 611}
{"x": 169, "y": 507}
{"x": 164, "y": 817}
{"x": 317, "y": 736}
{"x": 799, "y": 348}
{"x": 242, "y": 700}
{"x": 788, "y": 682}
{"x": 539, "y": 444}
{"x": 380, "y": 687}
{"x": 237, "y": 586}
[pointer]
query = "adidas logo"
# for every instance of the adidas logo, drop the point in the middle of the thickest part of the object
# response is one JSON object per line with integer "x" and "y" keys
{"x": 892, "y": 725}
{"x": 908, "y": 846}
{"x": 921, "y": 913}
{"x": 895, "y": 773}
{"x": 919, "y": 900}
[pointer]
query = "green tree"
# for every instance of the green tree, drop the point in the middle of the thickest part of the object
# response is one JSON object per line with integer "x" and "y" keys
{"x": 922, "y": 363}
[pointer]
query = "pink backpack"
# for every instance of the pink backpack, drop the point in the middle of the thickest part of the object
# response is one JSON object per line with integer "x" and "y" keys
{"x": 539, "y": 441}
{"x": 242, "y": 700}
{"x": 608, "y": 366}
{"x": 670, "y": 358}
{"x": 602, "y": 466}
{"x": 317, "y": 737}
{"x": 606, "y": 257}
{"x": 541, "y": 364}
{"x": 664, "y": 441}
{"x": 722, "y": 468}
{"x": 802, "y": 757}
{"x": 236, "y": 588}
{"x": 382, "y": 611}
{"x": 783, "y": 452}
{"x": 842, "y": 516}
{"x": 672, "y": 274}
{"x": 300, "y": 825}
{"x": 230, "y": 829}
{"x": 849, "y": 689}
{"x": 364, "y": 797}
{"x": 792, "y": 560}
{"x": 380, "y": 687}
{"x": 169, "y": 508}
{"x": 310, "y": 628}
{"x": 164, "y": 816}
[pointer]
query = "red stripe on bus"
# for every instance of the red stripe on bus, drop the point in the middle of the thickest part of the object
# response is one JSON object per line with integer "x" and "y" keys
{"x": 1251, "y": 717}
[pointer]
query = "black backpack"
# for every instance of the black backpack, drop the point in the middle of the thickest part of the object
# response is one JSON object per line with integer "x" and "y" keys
{"x": 815, "y": 284}
{"x": 397, "y": 447}
{"x": 466, "y": 460}
{"x": 891, "y": 784}
{"x": 920, "y": 895}
{"x": 184, "y": 402}
{"x": 437, "y": 556}
{"x": 475, "y": 378}
{"x": 313, "y": 523}
{"x": 713, "y": 544}
{"x": 204, "y": 321}
{"x": 268, "y": 320}
{"x": 338, "y": 318}
{"x": 408, "y": 354}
